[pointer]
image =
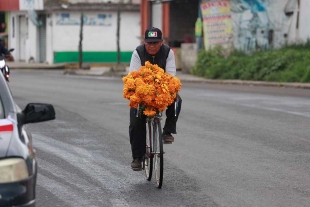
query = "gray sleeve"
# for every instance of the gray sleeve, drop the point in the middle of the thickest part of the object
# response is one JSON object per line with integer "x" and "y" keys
{"x": 170, "y": 64}
{"x": 135, "y": 62}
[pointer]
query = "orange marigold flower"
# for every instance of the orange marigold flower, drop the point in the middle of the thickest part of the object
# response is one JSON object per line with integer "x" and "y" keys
{"x": 135, "y": 98}
{"x": 130, "y": 83}
{"x": 134, "y": 74}
{"x": 152, "y": 87}
{"x": 148, "y": 64}
{"x": 149, "y": 112}
{"x": 138, "y": 81}
{"x": 133, "y": 104}
{"x": 144, "y": 90}
{"x": 147, "y": 99}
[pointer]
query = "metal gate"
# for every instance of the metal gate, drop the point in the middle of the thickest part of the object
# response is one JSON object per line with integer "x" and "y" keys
{"x": 42, "y": 39}
{"x": 23, "y": 36}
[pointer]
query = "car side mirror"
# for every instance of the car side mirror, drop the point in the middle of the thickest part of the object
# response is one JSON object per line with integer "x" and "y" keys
{"x": 38, "y": 112}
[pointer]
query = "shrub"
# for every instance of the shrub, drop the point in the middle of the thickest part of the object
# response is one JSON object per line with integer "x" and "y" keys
{"x": 289, "y": 64}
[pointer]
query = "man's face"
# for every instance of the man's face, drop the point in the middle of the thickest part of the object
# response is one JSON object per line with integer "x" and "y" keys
{"x": 153, "y": 47}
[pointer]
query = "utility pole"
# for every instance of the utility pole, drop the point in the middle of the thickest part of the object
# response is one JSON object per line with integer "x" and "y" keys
{"x": 118, "y": 34}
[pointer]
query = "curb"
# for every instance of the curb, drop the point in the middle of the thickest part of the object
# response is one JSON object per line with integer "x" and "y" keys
{"x": 36, "y": 67}
{"x": 254, "y": 83}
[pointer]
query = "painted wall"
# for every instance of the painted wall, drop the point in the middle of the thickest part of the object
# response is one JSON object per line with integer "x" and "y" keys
{"x": 264, "y": 24}
{"x": 99, "y": 36}
{"x": 31, "y": 4}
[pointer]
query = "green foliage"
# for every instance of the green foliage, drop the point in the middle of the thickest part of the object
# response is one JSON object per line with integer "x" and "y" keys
{"x": 289, "y": 64}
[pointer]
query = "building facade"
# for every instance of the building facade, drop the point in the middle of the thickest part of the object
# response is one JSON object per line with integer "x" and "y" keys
{"x": 49, "y": 32}
{"x": 255, "y": 25}
{"x": 248, "y": 25}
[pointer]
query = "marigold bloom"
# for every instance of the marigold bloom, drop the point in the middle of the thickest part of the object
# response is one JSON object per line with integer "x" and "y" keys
{"x": 152, "y": 87}
{"x": 149, "y": 112}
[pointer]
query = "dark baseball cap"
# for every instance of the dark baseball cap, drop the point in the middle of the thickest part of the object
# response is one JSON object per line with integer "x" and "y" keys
{"x": 153, "y": 34}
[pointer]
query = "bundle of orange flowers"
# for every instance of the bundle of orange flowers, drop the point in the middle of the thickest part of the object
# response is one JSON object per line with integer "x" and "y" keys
{"x": 151, "y": 88}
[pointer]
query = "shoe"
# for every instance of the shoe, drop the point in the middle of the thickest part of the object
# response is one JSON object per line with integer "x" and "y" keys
{"x": 136, "y": 164}
{"x": 168, "y": 138}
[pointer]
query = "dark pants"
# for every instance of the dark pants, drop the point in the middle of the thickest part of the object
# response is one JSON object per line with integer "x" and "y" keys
{"x": 137, "y": 128}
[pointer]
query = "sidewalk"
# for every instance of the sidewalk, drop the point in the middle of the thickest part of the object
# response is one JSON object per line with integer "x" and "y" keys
{"x": 23, "y": 65}
{"x": 184, "y": 77}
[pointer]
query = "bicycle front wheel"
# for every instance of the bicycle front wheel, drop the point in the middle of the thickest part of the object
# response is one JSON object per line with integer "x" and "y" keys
{"x": 148, "y": 158}
{"x": 158, "y": 153}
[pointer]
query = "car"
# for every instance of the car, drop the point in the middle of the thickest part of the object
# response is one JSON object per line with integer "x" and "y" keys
{"x": 18, "y": 165}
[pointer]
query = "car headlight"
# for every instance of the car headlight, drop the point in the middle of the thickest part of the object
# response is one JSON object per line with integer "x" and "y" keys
{"x": 13, "y": 170}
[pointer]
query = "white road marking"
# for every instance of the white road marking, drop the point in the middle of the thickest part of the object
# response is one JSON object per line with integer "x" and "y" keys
{"x": 119, "y": 203}
{"x": 295, "y": 106}
{"x": 109, "y": 175}
{"x": 69, "y": 177}
{"x": 63, "y": 192}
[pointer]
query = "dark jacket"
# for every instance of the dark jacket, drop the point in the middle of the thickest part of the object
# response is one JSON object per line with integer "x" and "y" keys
{"x": 159, "y": 59}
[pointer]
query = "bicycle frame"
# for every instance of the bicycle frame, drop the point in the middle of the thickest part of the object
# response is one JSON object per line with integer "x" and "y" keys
{"x": 153, "y": 122}
{"x": 154, "y": 149}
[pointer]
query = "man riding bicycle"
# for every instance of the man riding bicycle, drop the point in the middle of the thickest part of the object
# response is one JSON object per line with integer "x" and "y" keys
{"x": 154, "y": 51}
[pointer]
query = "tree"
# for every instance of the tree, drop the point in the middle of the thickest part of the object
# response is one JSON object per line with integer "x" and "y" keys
{"x": 118, "y": 34}
{"x": 118, "y": 66}
{"x": 81, "y": 40}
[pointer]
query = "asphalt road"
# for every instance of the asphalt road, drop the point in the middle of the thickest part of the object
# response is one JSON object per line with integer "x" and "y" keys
{"x": 236, "y": 146}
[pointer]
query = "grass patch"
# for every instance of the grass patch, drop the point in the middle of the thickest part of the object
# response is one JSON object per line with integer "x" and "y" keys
{"x": 288, "y": 64}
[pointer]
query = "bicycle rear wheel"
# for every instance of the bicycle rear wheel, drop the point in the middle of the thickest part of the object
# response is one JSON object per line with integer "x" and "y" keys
{"x": 159, "y": 153}
{"x": 148, "y": 158}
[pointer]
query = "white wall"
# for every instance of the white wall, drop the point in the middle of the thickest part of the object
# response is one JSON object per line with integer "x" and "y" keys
{"x": 96, "y": 37}
{"x": 32, "y": 49}
{"x": 130, "y": 31}
{"x": 12, "y": 40}
{"x": 305, "y": 20}
{"x": 32, "y": 41}
{"x": 49, "y": 39}
{"x": 157, "y": 16}
{"x": 99, "y": 33}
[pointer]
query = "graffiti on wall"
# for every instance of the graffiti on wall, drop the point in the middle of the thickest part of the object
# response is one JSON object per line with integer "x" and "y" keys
{"x": 250, "y": 25}
{"x": 27, "y": 4}
{"x": 95, "y": 20}
{"x": 217, "y": 25}
{"x": 254, "y": 28}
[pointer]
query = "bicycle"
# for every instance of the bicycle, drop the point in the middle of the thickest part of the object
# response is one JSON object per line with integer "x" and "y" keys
{"x": 154, "y": 156}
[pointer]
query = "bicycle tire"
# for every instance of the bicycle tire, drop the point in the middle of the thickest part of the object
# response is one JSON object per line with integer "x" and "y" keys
{"x": 148, "y": 158}
{"x": 159, "y": 153}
